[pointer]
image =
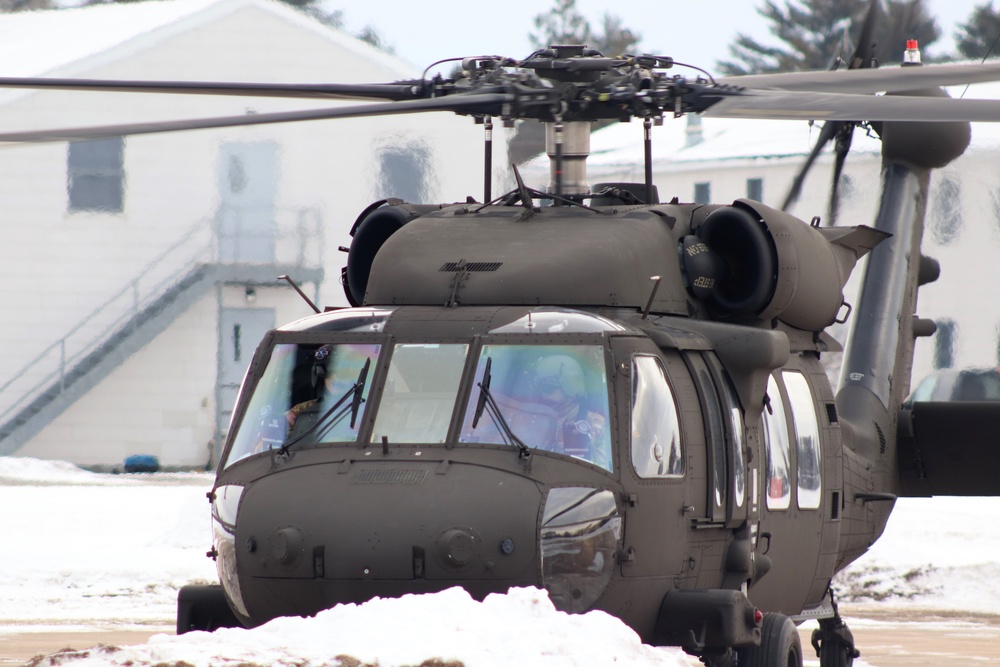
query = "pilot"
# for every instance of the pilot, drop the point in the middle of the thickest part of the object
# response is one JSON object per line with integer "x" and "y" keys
{"x": 318, "y": 374}
{"x": 559, "y": 384}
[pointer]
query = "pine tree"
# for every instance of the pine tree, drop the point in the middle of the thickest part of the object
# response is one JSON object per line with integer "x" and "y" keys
{"x": 906, "y": 19}
{"x": 9, "y": 6}
{"x": 977, "y": 38}
{"x": 814, "y": 33}
{"x": 564, "y": 24}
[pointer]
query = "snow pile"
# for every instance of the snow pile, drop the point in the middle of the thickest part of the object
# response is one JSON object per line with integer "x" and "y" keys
{"x": 936, "y": 553}
{"x": 444, "y": 629}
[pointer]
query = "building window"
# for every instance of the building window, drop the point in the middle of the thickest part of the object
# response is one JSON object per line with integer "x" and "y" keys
{"x": 405, "y": 171}
{"x": 847, "y": 187}
{"x": 755, "y": 189}
{"x": 95, "y": 175}
{"x": 995, "y": 202}
{"x": 946, "y": 211}
{"x": 998, "y": 345}
{"x": 702, "y": 193}
{"x": 944, "y": 344}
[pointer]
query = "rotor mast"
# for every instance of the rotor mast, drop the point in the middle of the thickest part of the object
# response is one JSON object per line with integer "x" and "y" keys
{"x": 568, "y": 146}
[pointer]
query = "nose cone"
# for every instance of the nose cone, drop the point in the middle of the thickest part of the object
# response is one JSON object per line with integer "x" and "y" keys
{"x": 347, "y": 532}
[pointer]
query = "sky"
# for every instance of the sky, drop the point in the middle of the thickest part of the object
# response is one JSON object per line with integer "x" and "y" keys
{"x": 694, "y": 32}
{"x": 86, "y": 551}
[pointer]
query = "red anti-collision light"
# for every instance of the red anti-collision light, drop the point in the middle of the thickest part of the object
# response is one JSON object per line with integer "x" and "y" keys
{"x": 758, "y": 617}
{"x": 911, "y": 44}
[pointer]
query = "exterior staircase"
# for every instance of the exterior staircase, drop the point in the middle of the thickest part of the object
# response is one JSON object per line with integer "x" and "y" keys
{"x": 73, "y": 365}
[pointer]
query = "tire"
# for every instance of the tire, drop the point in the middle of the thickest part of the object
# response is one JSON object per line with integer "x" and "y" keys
{"x": 204, "y": 608}
{"x": 780, "y": 645}
{"x": 834, "y": 654}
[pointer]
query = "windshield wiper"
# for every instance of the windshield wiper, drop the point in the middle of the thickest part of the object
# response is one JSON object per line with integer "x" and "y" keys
{"x": 486, "y": 400}
{"x": 325, "y": 423}
{"x": 484, "y": 392}
{"x": 359, "y": 389}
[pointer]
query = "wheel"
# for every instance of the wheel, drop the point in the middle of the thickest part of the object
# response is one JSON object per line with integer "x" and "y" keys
{"x": 779, "y": 644}
{"x": 834, "y": 643}
{"x": 834, "y": 654}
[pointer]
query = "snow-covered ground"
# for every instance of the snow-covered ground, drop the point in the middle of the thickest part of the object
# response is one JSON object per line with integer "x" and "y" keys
{"x": 84, "y": 551}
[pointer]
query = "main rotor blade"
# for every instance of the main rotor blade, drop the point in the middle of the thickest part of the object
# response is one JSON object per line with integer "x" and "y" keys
{"x": 842, "y": 147}
{"x": 826, "y": 135}
{"x": 400, "y": 90}
{"x": 862, "y": 56}
{"x": 889, "y": 79}
{"x": 470, "y": 104}
{"x": 860, "y": 59}
{"x": 793, "y": 105}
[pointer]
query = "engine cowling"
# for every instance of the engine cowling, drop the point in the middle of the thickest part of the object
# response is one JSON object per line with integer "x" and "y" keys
{"x": 752, "y": 262}
{"x": 370, "y": 231}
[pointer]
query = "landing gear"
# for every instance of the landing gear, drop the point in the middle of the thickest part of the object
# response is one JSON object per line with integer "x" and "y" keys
{"x": 779, "y": 645}
{"x": 833, "y": 641}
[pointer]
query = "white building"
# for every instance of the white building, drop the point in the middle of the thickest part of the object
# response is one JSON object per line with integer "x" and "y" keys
{"x": 142, "y": 272}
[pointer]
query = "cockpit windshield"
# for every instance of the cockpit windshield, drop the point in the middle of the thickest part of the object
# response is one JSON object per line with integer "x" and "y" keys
{"x": 553, "y": 398}
{"x": 420, "y": 393}
{"x": 336, "y": 386}
{"x": 298, "y": 396}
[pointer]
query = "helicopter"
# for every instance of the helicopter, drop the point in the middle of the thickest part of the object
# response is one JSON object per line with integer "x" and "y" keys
{"x": 585, "y": 389}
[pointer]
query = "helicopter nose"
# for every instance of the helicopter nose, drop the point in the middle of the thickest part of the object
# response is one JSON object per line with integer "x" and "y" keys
{"x": 349, "y": 531}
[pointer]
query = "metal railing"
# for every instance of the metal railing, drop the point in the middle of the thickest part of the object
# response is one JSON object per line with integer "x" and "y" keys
{"x": 298, "y": 240}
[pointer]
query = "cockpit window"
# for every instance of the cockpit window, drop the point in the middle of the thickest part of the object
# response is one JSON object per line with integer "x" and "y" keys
{"x": 552, "y": 397}
{"x": 420, "y": 393}
{"x": 306, "y": 392}
{"x": 656, "y": 434}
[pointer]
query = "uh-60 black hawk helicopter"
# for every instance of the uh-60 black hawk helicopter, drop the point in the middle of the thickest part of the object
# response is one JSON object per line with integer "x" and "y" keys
{"x": 587, "y": 390}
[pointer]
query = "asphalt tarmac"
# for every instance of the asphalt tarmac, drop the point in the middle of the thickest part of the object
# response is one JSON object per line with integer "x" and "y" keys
{"x": 885, "y": 637}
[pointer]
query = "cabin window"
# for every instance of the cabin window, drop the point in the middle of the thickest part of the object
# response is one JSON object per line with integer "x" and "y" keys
{"x": 736, "y": 447}
{"x": 306, "y": 395}
{"x": 656, "y": 434}
{"x": 715, "y": 436}
{"x": 702, "y": 193}
{"x": 806, "y": 439}
{"x": 944, "y": 343}
{"x": 420, "y": 393}
{"x": 95, "y": 175}
{"x": 779, "y": 483}
{"x": 550, "y": 397}
{"x": 755, "y": 189}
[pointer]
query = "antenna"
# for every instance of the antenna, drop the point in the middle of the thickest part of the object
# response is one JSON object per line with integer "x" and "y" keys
{"x": 301, "y": 293}
{"x": 522, "y": 188}
{"x": 652, "y": 295}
